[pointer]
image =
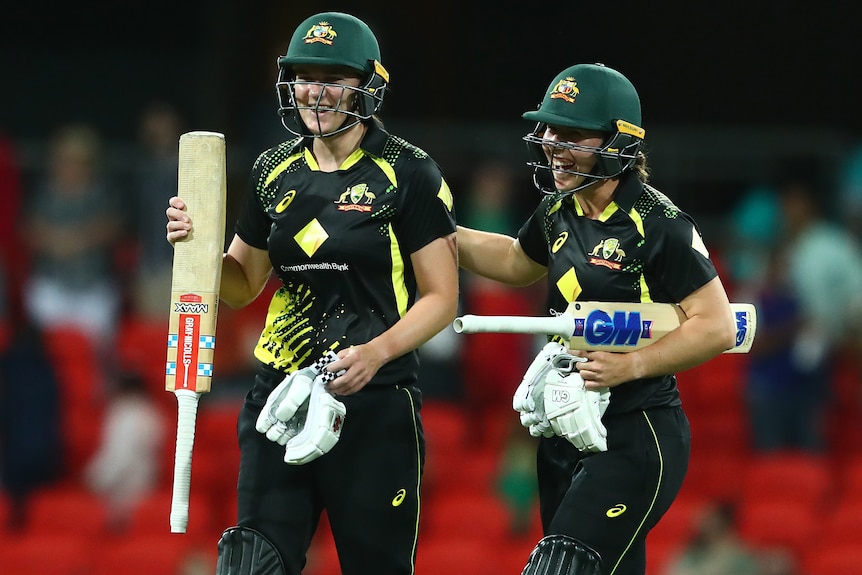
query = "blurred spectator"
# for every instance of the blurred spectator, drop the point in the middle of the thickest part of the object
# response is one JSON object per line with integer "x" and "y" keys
{"x": 492, "y": 364}
{"x": 125, "y": 469}
{"x": 438, "y": 369}
{"x": 160, "y": 127}
{"x": 12, "y": 256}
{"x": 516, "y": 481}
{"x": 715, "y": 548}
{"x": 72, "y": 224}
{"x": 4, "y": 311}
{"x": 778, "y": 561}
{"x": 803, "y": 273}
{"x": 488, "y": 205}
{"x": 784, "y": 408}
{"x": 198, "y": 562}
{"x": 824, "y": 270}
{"x": 31, "y": 453}
{"x": 754, "y": 229}
{"x": 850, "y": 193}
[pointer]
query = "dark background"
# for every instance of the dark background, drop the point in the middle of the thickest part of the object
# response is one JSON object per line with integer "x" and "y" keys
{"x": 727, "y": 88}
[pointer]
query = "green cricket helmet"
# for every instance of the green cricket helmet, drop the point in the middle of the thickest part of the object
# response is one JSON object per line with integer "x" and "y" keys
{"x": 333, "y": 39}
{"x": 589, "y": 97}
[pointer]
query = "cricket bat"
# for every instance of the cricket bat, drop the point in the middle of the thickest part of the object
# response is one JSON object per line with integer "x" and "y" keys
{"x": 202, "y": 185}
{"x": 609, "y": 326}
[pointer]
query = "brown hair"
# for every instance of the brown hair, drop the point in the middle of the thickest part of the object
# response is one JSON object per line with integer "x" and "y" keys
{"x": 641, "y": 169}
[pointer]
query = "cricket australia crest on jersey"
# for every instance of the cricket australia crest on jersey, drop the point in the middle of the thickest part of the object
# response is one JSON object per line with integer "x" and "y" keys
{"x": 356, "y": 198}
{"x": 608, "y": 253}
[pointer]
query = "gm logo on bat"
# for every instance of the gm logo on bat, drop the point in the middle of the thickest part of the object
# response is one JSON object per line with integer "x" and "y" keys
{"x": 621, "y": 328}
{"x": 741, "y": 327}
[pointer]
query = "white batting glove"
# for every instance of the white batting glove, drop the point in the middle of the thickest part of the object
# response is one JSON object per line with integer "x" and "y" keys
{"x": 283, "y": 414}
{"x": 528, "y": 399}
{"x": 604, "y": 400}
{"x": 322, "y": 426}
{"x": 575, "y": 412}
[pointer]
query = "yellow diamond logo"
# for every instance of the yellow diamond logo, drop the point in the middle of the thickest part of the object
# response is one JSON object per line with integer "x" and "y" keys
{"x": 311, "y": 237}
{"x": 569, "y": 285}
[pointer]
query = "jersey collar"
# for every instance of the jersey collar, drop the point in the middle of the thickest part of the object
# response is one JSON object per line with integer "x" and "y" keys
{"x": 372, "y": 142}
{"x": 375, "y": 138}
{"x": 628, "y": 191}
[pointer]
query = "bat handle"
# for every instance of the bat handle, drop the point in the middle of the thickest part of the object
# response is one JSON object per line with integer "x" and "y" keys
{"x": 187, "y": 409}
{"x": 562, "y": 325}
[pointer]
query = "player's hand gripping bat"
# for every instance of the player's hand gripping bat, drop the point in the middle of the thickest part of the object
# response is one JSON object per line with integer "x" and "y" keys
{"x": 202, "y": 185}
{"x": 609, "y": 326}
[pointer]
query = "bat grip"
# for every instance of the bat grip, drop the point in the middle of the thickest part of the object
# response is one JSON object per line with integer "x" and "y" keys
{"x": 561, "y": 325}
{"x": 187, "y": 409}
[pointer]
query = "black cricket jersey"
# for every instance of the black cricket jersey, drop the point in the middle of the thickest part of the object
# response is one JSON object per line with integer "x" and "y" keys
{"x": 341, "y": 242}
{"x": 642, "y": 248}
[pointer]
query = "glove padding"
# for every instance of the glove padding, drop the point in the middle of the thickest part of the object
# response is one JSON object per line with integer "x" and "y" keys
{"x": 324, "y": 418}
{"x": 528, "y": 400}
{"x": 284, "y": 413}
{"x": 575, "y": 412}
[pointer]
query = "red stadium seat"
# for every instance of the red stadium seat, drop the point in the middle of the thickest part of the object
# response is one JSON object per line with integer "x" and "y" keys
{"x": 850, "y": 478}
{"x": 142, "y": 555}
{"x": 445, "y": 431}
{"x": 452, "y": 554}
{"x": 717, "y": 385}
{"x": 513, "y": 556}
{"x": 216, "y": 424}
{"x": 843, "y": 524}
{"x": 64, "y": 510}
{"x": 827, "y": 558}
{"x": 719, "y": 430}
{"x": 468, "y": 514}
{"x": 714, "y": 475}
{"x": 82, "y": 433}
{"x": 792, "y": 476}
{"x": 771, "y": 523}
{"x": 5, "y": 514}
{"x": 142, "y": 345}
{"x": 152, "y": 516}
{"x": 48, "y": 554}
{"x": 73, "y": 355}
{"x": 445, "y": 425}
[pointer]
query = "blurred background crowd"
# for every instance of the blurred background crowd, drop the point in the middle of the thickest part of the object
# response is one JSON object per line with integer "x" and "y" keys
{"x": 751, "y": 128}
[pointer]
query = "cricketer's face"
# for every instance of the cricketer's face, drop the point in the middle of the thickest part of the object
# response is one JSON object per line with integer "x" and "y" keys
{"x": 325, "y": 96}
{"x": 570, "y": 154}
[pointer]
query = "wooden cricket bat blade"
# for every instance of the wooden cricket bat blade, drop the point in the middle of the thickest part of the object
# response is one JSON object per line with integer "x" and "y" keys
{"x": 197, "y": 266}
{"x": 620, "y": 327}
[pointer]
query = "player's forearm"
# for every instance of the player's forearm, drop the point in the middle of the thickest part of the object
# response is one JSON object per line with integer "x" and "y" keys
{"x": 496, "y": 257}
{"x": 695, "y": 341}
{"x": 238, "y": 288}
{"x": 429, "y": 315}
{"x": 708, "y": 330}
{"x": 245, "y": 271}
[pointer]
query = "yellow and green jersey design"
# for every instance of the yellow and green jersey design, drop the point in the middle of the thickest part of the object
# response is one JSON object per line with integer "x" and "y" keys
{"x": 341, "y": 242}
{"x": 643, "y": 248}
